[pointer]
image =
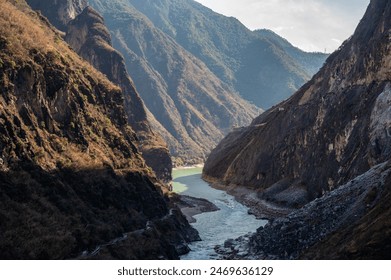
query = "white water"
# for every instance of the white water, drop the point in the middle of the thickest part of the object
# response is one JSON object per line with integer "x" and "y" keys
{"x": 231, "y": 221}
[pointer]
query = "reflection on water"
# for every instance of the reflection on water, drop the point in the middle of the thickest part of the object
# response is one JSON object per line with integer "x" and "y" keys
{"x": 231, "y": 221}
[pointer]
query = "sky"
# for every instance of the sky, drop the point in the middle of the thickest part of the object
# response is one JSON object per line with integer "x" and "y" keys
{"x": 312, "y": 25}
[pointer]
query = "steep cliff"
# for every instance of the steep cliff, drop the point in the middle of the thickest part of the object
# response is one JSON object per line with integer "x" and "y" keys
{"x": 90, "y": 38}
{"x": 193, "y": 109}
{"x": 73, "y": 183}
{"x": 59, "y": 12}
{"x": 333, "y": 129}
{"x": 330, "y": 141}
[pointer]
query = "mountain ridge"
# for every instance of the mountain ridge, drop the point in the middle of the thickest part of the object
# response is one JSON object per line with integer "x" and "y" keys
{"x": 241, "y": 58}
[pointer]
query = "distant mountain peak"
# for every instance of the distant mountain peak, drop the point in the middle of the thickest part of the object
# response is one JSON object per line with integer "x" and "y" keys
{"x": 245, "y": 60}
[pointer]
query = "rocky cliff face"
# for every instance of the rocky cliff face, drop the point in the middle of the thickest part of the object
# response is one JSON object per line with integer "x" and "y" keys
{"x": 73, "y": 183}
{"x": 59, "y": 12}
{"x": 192, "y": 108}
{"x": 332, "y": 131}
{"x": 90, "y": 38}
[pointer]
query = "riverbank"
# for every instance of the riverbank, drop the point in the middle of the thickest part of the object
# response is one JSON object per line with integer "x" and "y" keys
{"x": 192, "y": 206}
{"x": 260, "y": 208}
{"x": 199, "y": 165}
{"x": 249, "y": 197}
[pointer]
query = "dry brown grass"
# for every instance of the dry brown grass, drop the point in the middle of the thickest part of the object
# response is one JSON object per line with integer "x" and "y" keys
{"x": 25, "y": 31}
{"x": 17, "y": 27}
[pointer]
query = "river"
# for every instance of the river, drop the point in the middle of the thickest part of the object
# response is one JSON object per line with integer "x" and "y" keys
{"x": 230, "y": 222}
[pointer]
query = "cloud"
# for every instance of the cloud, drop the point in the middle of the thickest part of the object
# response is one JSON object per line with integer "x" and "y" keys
{"x": 313, "y": 25}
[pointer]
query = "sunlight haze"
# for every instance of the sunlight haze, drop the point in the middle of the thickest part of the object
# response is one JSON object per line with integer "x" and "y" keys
{"x": 318, "y": 25}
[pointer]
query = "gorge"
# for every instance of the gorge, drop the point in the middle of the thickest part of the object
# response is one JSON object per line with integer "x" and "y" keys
{"x": 229, "y": 214}
{"x": 99, "y": 100}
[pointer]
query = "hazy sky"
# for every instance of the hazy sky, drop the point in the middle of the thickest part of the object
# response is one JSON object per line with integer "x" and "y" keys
{"x": 312, "y": 25}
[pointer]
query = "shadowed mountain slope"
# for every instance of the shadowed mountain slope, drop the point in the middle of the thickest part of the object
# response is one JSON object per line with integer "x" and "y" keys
{"x": 72, "y": 181}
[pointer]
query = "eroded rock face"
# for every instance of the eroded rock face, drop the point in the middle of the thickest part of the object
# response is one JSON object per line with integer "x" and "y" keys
{"x": 59, "y": 12}
{"x": 333, "y": 129}
{"x": 330, "y": 141}
{"x": 88, "y": 35}
{"x": 71, "y": 176}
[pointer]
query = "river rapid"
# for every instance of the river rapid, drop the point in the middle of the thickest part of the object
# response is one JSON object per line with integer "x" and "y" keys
{"x": 230, "y": 222}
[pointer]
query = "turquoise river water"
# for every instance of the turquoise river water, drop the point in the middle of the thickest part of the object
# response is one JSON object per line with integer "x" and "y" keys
{"x": 231, "y": 221}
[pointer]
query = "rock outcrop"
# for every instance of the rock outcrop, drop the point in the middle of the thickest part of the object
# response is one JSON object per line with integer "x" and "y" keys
{"x": 328, "y": 144}
{"x": 72, "y": 181}
{"x": 333, "y": 129}
{"x": 89, "y": 37}
{"x": 59, "y": 12}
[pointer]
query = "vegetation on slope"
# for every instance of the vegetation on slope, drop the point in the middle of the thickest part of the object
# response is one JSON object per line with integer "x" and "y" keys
{"x": 71, "y": 178}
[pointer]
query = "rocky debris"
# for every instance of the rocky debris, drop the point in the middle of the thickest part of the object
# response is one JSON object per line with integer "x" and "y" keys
{"x": 289, "y": 237}
{"x": 368, "y": 238}
{"x": 234, "y": 249}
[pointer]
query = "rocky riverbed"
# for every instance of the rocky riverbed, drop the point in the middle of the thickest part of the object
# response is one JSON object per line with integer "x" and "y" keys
{"x": 253, "y": 199}
{"x": 292, "y": 236}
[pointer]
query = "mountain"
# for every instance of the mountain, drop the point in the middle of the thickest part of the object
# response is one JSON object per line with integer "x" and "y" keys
{"x": 310, "y": 61}
{"x": 328, "y": 134}
{"x": 88, "y": 35}
{"x": 261, "y": 66}
{"x": 190, "y": 106}
{"x": 72, "y": 182}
